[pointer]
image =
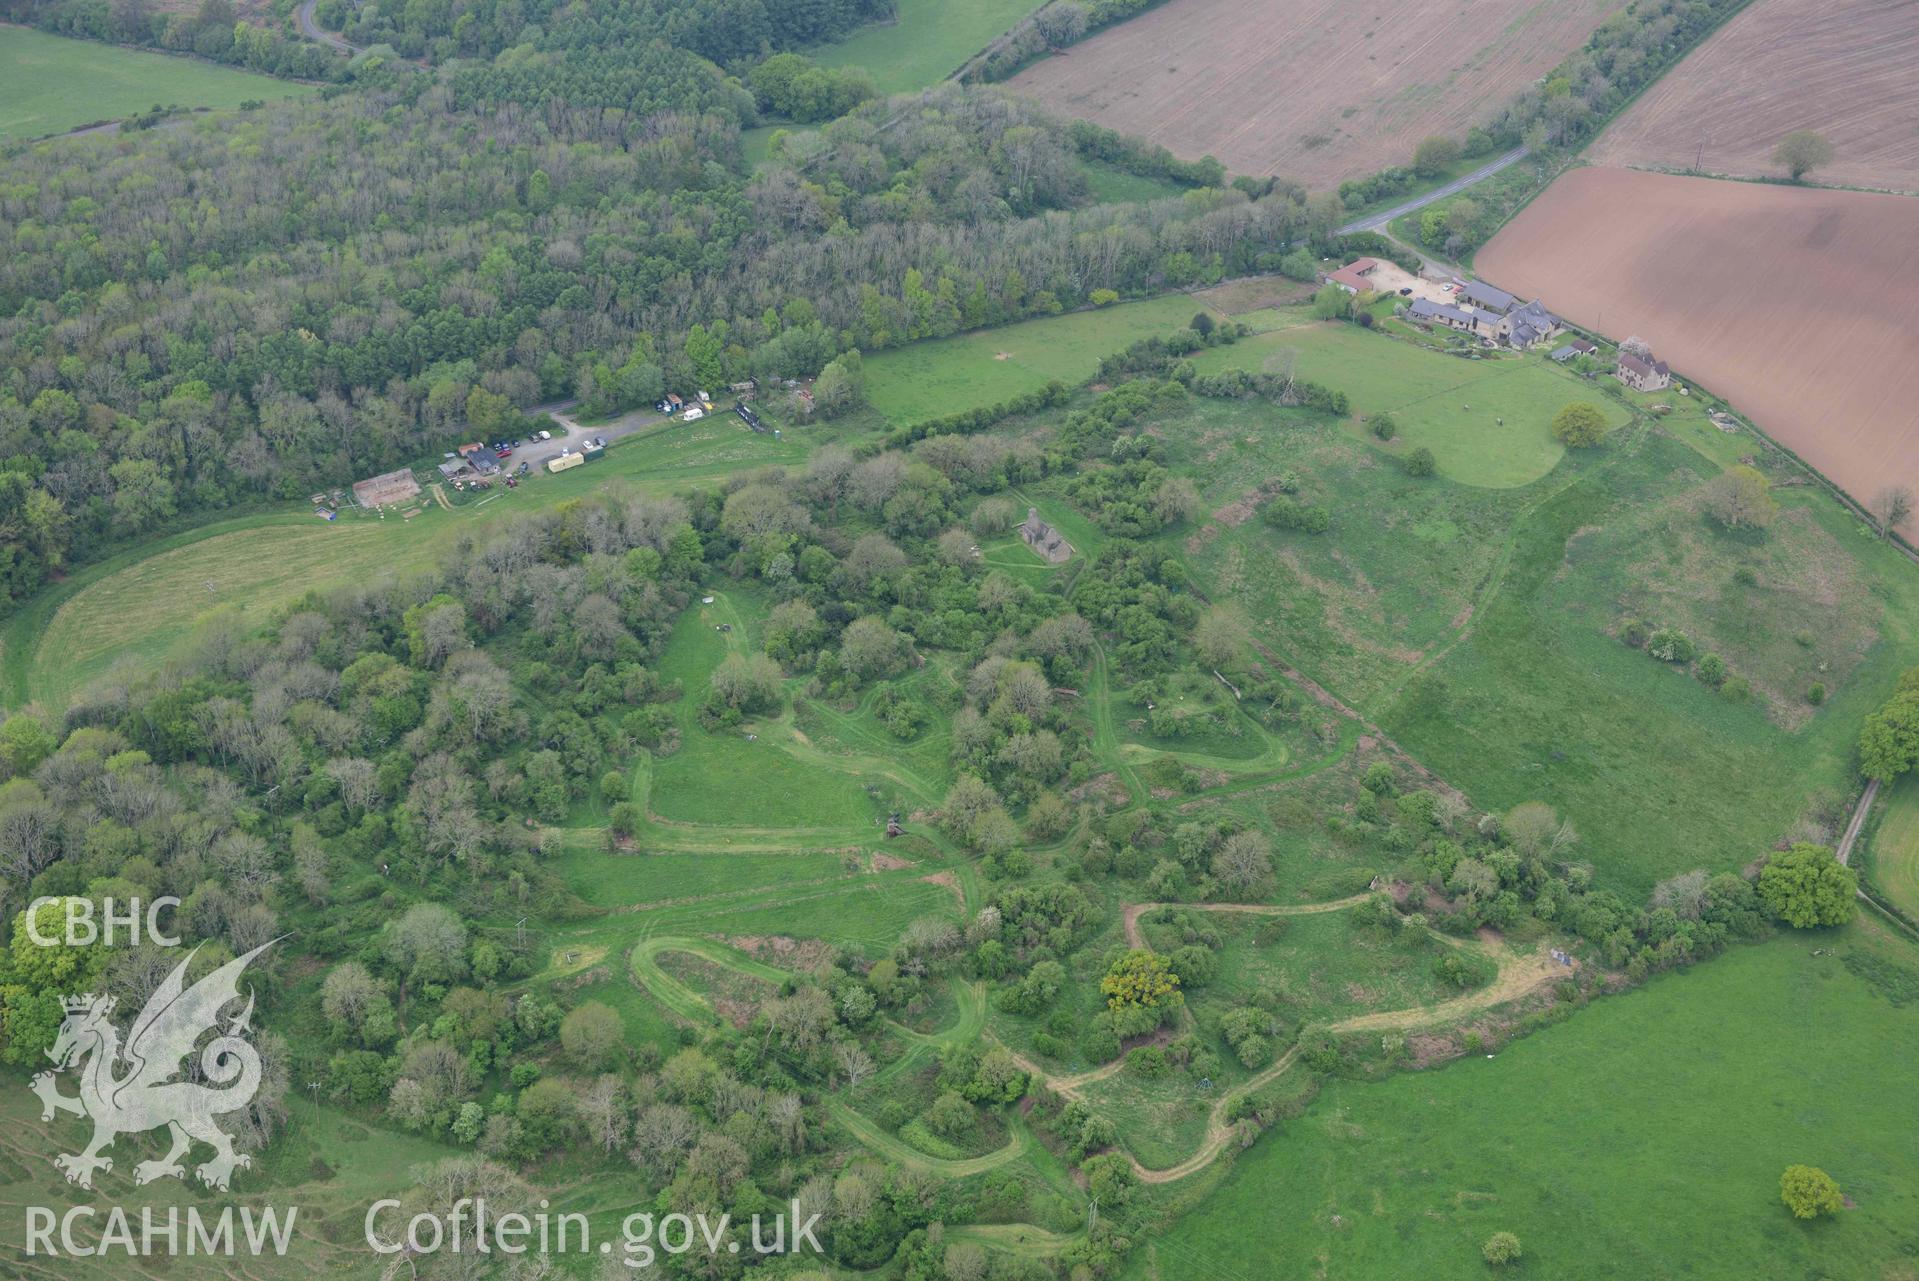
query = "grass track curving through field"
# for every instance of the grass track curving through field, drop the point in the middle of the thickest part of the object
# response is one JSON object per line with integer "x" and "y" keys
{"x": 1518, "y": 976}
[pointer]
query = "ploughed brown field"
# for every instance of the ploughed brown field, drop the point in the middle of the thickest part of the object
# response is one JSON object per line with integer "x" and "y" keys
{"x": 1316, "y": 91}
{"x": 1801, "y": 306}
{"x": 1847, "y": 69}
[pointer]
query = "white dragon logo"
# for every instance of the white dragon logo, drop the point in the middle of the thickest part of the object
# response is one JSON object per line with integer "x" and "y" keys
{"x": 144, "y": 1097}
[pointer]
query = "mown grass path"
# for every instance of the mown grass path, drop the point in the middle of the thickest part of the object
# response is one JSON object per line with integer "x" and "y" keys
{"x": 1518, "y": 976}
{"x": 682, "y": 1000}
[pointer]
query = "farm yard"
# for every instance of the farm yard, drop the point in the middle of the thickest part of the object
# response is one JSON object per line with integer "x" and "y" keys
{"x": 1842, "y": 68}
{"x": 1800, "y": 306}
{"x": 55, "y": 84}
{"x": 1312, "y": 92}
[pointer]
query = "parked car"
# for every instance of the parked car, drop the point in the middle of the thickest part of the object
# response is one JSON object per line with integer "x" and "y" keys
{"x": 1407, "y": 292}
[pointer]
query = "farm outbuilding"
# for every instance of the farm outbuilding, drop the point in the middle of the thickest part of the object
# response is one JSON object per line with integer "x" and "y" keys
{"x": 1356, "y": 276}
{"x": 1443, "y": 314}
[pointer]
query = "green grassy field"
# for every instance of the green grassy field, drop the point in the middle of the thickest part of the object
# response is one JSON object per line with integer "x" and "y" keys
{"x": 138, "y": 606}
{"x": 1895, "y": 846}
{"x": 55, "y": 84}
{"x": 1117, "y": 187}
{"x": 756, "y": 144}
{"x": 1538, "y": 699}
{"x": 929, "y": 41}
{"x": 1643, "y": 1138}
{"x": 928, "y": 379}
{"x": 726, "y": 778}
{"x": 1450, "y": 405}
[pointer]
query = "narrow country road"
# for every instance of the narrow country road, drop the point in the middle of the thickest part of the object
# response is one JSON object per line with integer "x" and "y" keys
{"x": 313, "y": 31}
{"x": 1378, "y": 221}
{"x": 1858, "y": 823}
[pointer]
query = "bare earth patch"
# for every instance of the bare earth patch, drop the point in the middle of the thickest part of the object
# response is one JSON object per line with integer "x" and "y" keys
{"x": 1311, "y": 90}
{"x": 951, "y": 882}
{"x": 778, "y": 949}
{"x": 1842, "y": 67}
{"x": 1798, "y": 305}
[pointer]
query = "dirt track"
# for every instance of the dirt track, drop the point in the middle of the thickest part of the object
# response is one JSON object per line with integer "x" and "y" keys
{"x": 1800, "y": 306}
{"x": 1518, "y": 977}
{"x": 1317, "y": 91}
{"x": 1844, "y": 68}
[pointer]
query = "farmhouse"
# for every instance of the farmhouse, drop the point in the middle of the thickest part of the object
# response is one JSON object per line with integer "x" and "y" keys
{"x": 1642, "y": 375}
{"x": 1527, "y": 326}
{"x": 1355, "y": 276}
{"x": 1452, "y": 317}
{"x": 1043, "y": 538}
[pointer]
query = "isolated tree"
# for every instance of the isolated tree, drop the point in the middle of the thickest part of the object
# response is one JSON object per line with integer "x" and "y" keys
{"x": 1802, "y": 151}
{"x": 1141, "y": 978}
{"x": 1062, "y": 22}
{"x": 1243, "y": 860}
{"x": 1419, "y": 462}
{"x": 1741, "y": 498}
{"x": 1176, "y": 500}
{"x": 994, "y": 515}
{"x": 966, "y": 1260}
{"x": 854, "y": 1063}
{"x": 1500, "y": 1249}
{"x": 1810, "y": 1192}
{"x": 1579, "y": 425}
{"x": 603, "y": 1112}
{"x": 592, "y": 1034}
{"x": 349, "y": 995}
{"x": 1889, "y": 740}
{"x": 840, "y": 386}
{"x": 1535, "y": 830}
{"x": 428, "y": 943}
{"x": 1685, "y": 894}
{"x": 1433, "y": 154}
{"x": 1890, "y": 507}
{"x": 1332, "y": 303}
{"x": 746, "y": 682}
{"x": 870, "y": 648}
{"x": 1807, "y": 887}
{"x": 1220, "y": 636}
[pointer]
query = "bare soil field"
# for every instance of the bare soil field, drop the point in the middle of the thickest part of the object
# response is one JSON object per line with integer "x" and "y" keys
{"x": 1843, "y": 68}
{"x": 1316, "y": 91}
{"x": 1801, "y": 306}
